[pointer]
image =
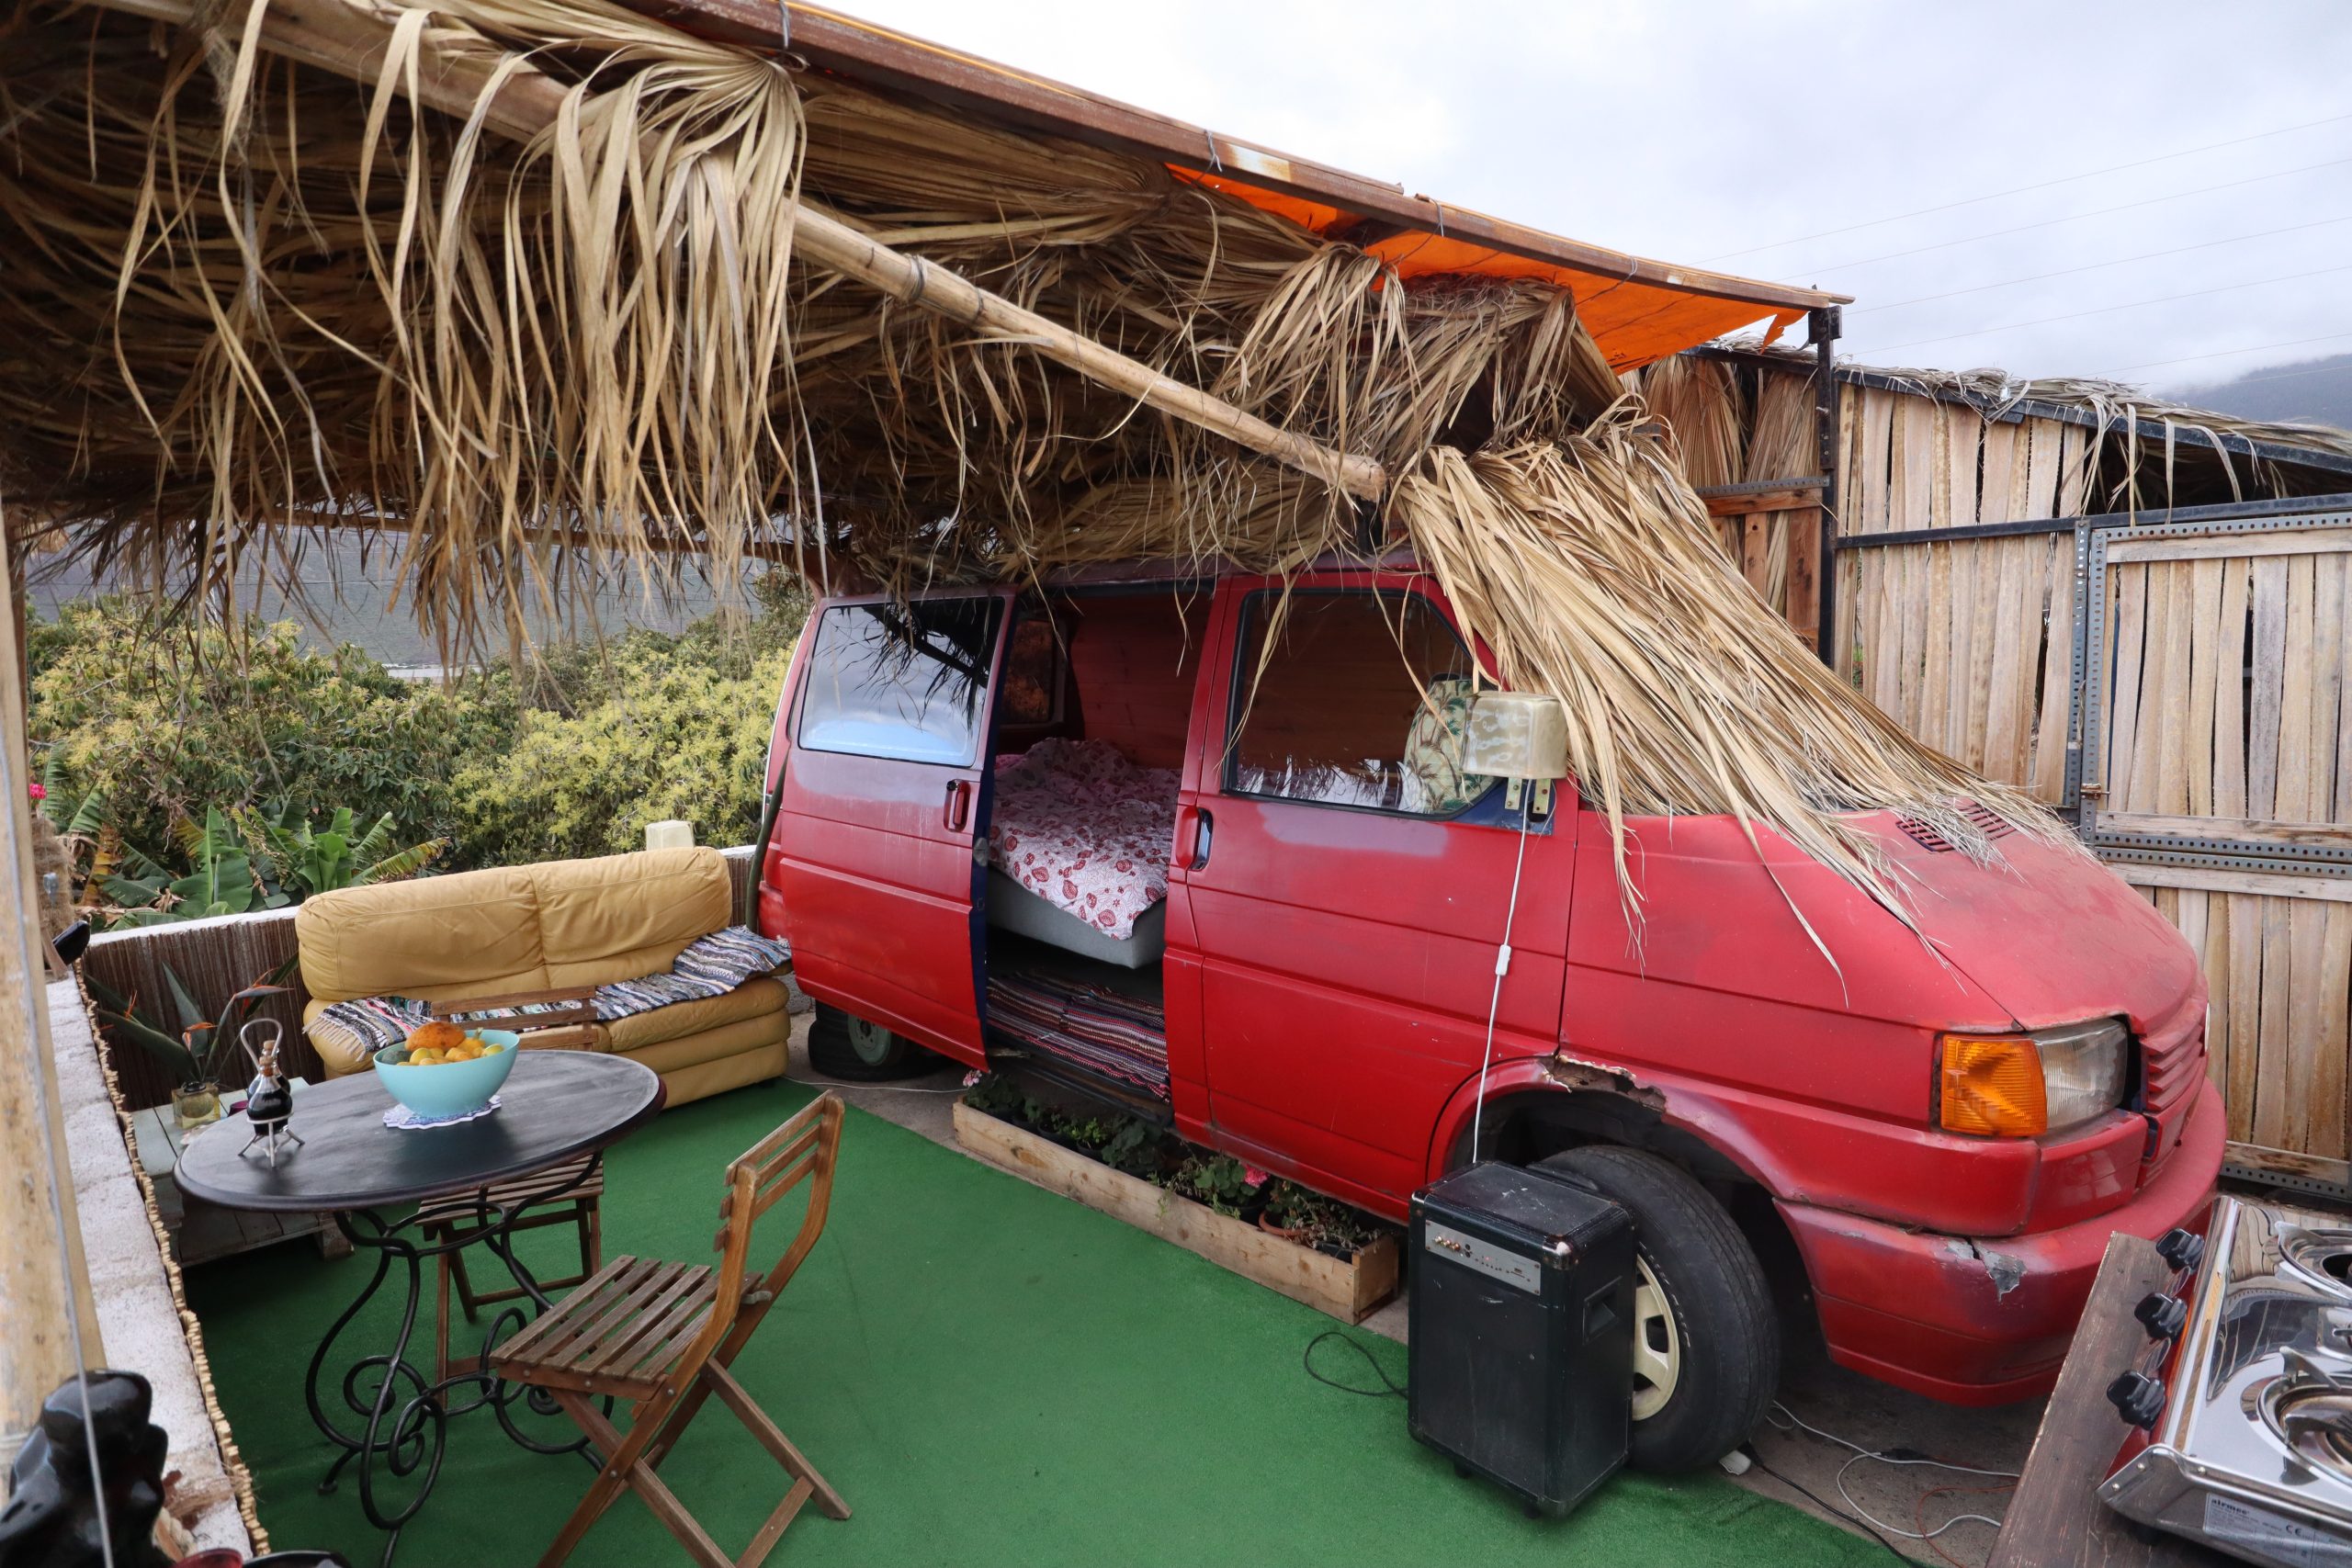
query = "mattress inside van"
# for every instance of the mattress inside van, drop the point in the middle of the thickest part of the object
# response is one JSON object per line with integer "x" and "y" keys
{"x": 1013, "y": 908}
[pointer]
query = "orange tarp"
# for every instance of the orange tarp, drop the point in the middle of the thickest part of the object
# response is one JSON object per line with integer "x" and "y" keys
{"x": 1634, "y": 320}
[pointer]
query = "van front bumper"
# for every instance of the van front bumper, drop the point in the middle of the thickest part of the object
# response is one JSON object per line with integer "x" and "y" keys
{"x": 1985, "y": 1320}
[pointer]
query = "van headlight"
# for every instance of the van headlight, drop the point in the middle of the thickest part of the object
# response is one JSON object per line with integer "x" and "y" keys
{"x": 2025, "y": 1085}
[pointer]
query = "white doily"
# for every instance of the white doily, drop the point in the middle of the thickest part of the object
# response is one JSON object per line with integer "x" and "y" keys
{"x": 400, "y": 1118}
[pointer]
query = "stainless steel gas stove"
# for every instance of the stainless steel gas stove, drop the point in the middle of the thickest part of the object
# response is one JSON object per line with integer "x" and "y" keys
{"x": 2241, "y": 1407}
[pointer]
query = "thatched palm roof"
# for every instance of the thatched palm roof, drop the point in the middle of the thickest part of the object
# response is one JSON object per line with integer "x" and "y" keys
{"x": 516, "y": 282}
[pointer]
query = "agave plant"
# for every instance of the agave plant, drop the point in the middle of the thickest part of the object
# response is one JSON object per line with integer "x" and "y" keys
{"x": 198, "y": 1052}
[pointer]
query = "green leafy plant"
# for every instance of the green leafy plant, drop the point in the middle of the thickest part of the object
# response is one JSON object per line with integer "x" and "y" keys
{"x": 303, "y": 860}
{"x": 221, "y": 883}
{"x": 1219, "y": 1180}
{"x": 199, "y": 1051}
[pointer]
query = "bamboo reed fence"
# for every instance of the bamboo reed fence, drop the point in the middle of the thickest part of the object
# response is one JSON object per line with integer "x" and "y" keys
{"x": 1967, "y": 642}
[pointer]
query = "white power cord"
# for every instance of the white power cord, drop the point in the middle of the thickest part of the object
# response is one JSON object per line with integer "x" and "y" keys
{"x": 1502, "y": 967}
{"x": 1793, "y": 1422}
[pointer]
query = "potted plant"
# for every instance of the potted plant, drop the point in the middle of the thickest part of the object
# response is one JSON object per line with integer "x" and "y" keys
{"x": 195, "y": 1057}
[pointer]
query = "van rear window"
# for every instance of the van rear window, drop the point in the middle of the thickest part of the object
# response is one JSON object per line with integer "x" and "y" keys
{"x": 905, "y": 682}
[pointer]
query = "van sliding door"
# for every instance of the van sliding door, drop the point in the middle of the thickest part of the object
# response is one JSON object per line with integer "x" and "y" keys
{"x": 881, "y": 798}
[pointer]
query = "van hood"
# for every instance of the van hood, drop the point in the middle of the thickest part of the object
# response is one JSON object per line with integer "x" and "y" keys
{"x": 2041, "y": 935}
{"x": 2047, "y": 931}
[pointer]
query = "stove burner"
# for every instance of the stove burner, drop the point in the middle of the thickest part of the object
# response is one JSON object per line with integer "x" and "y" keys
{"x": 2321, "y": 1255}
{"x": 2314, "y": 1419}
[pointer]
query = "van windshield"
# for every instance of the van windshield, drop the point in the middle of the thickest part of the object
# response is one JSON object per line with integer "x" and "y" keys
{"x": 905, "y": 682}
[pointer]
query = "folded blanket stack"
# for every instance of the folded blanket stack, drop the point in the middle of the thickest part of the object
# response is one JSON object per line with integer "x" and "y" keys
{"x": 1117, "y": 1036}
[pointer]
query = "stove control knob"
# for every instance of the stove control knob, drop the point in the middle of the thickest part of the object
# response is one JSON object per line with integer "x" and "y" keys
{"x": 2161, "y": 1315}
{"x": 2182, "y": 1249}
{"x": 2138, "y": 1398}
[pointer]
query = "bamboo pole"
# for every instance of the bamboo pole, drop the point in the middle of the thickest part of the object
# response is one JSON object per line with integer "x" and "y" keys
{"x": 352, "y": 42}
{"x": 44, "y": 1285}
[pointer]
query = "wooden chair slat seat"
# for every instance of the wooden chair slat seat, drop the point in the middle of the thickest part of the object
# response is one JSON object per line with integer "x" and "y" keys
{"x": 571, "y": 1193}
{"x": 618, "y": 1333}
{"x": 663, "y": 1335}
{"x": 523, "y": 1189}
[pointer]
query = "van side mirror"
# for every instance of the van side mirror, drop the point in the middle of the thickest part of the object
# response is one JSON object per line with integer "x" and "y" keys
{"x": 1516, "y": 735}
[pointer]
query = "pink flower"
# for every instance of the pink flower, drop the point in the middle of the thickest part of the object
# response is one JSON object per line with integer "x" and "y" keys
{"x": 1253, "y": 1176}
{"x": 974, "y": 1077}
{"x": 37, "y": 791}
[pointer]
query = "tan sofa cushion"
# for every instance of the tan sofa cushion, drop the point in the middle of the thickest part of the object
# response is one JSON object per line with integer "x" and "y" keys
{"x": 620, "y": 917}
{"x": 752, "y": 999}
{"x": 436, "y": 939}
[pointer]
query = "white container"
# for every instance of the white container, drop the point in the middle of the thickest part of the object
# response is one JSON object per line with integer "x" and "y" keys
{"x": 1516, "y": 735}
{"x": 669, "y": 835}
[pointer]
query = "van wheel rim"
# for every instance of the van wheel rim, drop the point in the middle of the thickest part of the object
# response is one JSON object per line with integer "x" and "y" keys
{"x": 870, "y": 1043}
{"x": 1658, "y": 1349}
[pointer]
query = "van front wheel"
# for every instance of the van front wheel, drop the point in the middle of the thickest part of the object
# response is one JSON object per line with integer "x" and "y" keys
{"x": 1706, "y": 1345}
{"x": 855, "y": 1050}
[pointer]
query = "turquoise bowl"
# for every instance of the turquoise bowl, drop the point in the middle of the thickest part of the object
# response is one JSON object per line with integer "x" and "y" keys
{"x": 448, "y": 1088}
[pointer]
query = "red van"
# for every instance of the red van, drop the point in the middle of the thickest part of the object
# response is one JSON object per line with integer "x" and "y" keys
{"x": 1195, "y": 847}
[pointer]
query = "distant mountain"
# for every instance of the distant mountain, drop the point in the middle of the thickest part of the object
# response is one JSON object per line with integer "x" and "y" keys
{"x": 2312, "y": 390}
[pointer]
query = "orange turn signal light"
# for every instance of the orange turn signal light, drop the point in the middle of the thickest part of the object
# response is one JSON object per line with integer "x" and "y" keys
{"x": 1991, "y": 1084}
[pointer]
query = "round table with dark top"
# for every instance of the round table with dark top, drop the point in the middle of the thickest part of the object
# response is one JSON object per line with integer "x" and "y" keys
{"x": 555, "y": 1106}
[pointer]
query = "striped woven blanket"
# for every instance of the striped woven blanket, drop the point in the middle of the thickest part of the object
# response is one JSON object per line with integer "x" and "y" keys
{"x": 710, "y": 966}
{"x": 1119, "y": 1036}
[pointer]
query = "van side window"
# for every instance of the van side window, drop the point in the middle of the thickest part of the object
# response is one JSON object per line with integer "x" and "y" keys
{"x": 1360, "y": 700}
{"x": 905, "y": 682}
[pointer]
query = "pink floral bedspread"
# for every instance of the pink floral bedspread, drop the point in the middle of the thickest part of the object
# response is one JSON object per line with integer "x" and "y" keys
{"x": 1084, "y": 828}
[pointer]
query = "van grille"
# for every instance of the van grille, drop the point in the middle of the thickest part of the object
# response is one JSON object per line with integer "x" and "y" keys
{"x": 1985, "y": 821}
{"x": 2169, "y": 1069}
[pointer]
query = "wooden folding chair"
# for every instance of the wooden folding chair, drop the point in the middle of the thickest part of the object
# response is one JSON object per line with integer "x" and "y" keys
{"x": 663, "y": 1336}
{"x": 567, "y": 1194}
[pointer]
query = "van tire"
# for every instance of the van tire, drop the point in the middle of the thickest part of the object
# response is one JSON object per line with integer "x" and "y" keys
{"x": 850, "y": 1049}
{"x": 1724, "y": 1338}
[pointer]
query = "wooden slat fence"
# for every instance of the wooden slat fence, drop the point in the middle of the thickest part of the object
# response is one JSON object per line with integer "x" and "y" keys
{"x": 1967, "y": 642}
{"x": 2224, "y": 664}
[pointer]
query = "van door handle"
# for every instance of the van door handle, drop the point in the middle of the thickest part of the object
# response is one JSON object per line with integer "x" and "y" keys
{"x": 959, "y": 805}
{"x": 1193, "y": 827}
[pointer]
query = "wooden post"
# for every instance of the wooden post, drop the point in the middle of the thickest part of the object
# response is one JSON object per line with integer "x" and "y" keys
{"x": 352, "y": 41}
{"x": 43, "y": 1283}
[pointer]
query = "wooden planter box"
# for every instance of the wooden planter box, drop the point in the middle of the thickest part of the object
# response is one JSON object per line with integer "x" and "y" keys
{"x": 1347, "y": 1288}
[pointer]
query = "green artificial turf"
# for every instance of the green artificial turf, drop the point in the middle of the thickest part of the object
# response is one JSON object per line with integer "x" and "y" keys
{"x": 990, "y": 1374}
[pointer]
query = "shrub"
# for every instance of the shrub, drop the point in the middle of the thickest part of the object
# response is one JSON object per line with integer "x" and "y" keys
{"x": 570, "y": 755}
{"x": 642, "y": 729}
{"x": 166, "y": 721}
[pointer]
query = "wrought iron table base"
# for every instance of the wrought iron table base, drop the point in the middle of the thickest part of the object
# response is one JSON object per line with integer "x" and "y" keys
{"x": 408, "y": 1433}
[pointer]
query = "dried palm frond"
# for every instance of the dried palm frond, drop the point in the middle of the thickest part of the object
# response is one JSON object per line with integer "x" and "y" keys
{"x": 516, "y": 360}
{"x": 1782, "y": 445}
{"x": 1585, "y": 563}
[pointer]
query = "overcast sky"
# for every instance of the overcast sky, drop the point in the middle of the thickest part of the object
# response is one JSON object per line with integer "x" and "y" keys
{"x": 1701, "y": 131}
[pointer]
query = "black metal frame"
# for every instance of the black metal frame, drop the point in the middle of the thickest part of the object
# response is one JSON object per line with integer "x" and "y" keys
{"x": 412, "y": 1437}
{"x": 1822, "y": 328}
{"x": 2093, "y": 536}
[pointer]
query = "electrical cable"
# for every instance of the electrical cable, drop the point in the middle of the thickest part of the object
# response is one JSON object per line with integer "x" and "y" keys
{"x": 2075, "y": 217}
{"x": 2094, "y": 266}
{"x": 2038, "y": 185}
{"x": 2225, "y": 353}
{"x": 1502, "y": 966}
{"x": 2334, "y": 366}
{"x": 1389, "y": 1387}
{"x": 1829, "y": 1509}
{"x": 1893, "y": 1457}
{"x": 2106, "y": 310}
